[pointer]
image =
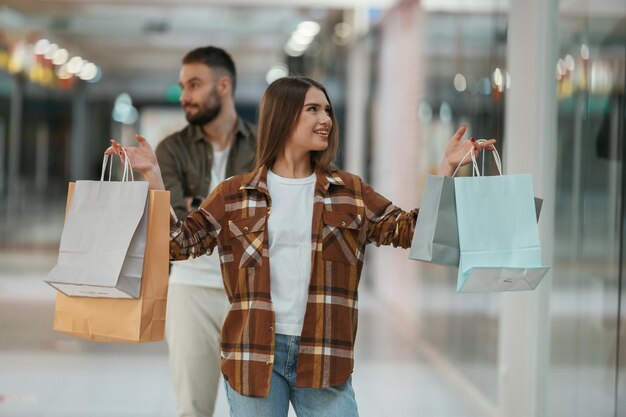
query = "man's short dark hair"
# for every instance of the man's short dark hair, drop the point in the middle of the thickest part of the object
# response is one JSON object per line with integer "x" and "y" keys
{"x": 213, "y": 57}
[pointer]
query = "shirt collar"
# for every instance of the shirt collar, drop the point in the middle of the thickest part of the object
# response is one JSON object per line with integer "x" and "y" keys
{"x": 196, "y": 133}
{"x": 332, "y": 176}
{"x": 242, "y": 131}
{"x": 257, "y": 180}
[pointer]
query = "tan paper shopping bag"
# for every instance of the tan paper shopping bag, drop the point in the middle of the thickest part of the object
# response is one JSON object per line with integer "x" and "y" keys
{"x": 126, "y": 320}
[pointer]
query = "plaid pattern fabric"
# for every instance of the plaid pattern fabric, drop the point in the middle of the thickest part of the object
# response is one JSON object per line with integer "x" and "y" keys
{"x": 347, "y": 215}
{"x": 186, "y": 158}
{"x": 249, "y": 239}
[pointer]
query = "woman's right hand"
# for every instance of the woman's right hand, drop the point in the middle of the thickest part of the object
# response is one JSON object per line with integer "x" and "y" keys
{"x": 142, "y": 159}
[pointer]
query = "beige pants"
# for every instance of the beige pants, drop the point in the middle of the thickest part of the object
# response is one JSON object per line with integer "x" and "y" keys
{"x": 192, "y": 329}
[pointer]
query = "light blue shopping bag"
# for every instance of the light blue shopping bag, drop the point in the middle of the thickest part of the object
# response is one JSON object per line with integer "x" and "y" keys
{"x": 498, "y": 234}
{"x": 435, "y": 239}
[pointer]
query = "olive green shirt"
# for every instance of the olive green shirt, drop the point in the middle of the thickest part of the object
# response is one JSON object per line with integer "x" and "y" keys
{"x": 185, "y": 159}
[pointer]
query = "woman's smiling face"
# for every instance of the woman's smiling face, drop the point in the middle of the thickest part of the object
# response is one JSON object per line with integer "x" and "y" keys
{"x": 314, "y": 123}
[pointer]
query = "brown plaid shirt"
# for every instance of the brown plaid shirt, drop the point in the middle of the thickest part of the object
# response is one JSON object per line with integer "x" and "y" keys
{"x": 347, "y": 214}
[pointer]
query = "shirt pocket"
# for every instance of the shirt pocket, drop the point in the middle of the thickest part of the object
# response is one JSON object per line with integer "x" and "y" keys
{"x": 247, "y": 236}
{"x": 341, "y": 236}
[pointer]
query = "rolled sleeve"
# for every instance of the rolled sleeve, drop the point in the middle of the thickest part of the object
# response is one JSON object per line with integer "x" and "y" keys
{"x": 197, "y": 234}
{"x": 387, "y": 224}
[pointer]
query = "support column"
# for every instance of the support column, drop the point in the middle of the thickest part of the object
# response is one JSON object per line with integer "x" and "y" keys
{"x": 78, "y": 140}
{"x": 41, "y": 157}
{"x": 3, "y": 179}
{"x": 357, "y": 91}
{"x": 530, "y": 147}
{"x": 15, "y": 135}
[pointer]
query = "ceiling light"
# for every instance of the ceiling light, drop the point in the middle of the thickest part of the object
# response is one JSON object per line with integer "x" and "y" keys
{"x": 60, "y": 56}
{"x": 50, "y": 51}
{"x": 97, "y": 77}
{"x": 460, "y": 83}
{"x": 275, "y": 72}
{"x": 445, "y": 113}
{"x": 497, "y": 77}
{"x": 123, "y": 110}
{"x": 75, "y": 65}
{"x": 295, "y": 46}
{"x": 63, "y": 73}
{"x": 301, "y": 39}
{"x": 584, "y": 51}
{"x": 88, "y": 72}
{"x": 292, "y": 52}
{"x": 41, "y": 46}
{"x": 343, "y": 30}
{"x": 308, "y": 28}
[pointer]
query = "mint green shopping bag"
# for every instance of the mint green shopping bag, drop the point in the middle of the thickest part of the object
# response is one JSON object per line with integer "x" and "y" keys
{"x": 498, "y": 234}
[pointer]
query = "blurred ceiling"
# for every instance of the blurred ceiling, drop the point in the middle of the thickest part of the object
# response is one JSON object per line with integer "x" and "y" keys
{"x": 141, "y": 42}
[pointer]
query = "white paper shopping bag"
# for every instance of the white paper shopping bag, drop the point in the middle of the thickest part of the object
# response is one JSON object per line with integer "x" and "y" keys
{"x": 103, "y": 240}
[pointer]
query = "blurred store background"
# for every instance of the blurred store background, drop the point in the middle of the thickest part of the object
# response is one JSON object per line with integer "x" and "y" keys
{"x": 545, "y": 78}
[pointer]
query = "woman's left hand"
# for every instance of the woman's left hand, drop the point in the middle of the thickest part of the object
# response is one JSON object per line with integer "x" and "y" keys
{"x": 456, "y": 152}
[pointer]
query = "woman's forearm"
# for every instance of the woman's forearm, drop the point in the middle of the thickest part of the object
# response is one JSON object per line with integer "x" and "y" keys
{"x": 155, "y": 179}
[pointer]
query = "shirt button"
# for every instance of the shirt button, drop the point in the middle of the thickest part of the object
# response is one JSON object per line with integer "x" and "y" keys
{"x": 268, "y": 363}
{"x": 245, "y": 229}
{"x": 343, "y": 223}
{"x": 271, "y": 328}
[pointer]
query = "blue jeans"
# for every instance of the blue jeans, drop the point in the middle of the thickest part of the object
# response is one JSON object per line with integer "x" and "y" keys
{"x": 336, "y": 401}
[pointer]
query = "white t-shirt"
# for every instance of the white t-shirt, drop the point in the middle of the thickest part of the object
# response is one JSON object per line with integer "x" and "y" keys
{"x": 289, "y": 235}
{"x": 204, "y": 271}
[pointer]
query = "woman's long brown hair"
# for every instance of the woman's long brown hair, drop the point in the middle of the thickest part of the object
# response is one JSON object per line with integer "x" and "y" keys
{"x": 278, "y": 115}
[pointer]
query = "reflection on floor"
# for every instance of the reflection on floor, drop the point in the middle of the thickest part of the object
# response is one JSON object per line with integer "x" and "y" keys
{"x": 46, "y": 374}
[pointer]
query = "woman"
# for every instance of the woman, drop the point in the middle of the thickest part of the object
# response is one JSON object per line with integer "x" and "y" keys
{"x": 289, "y": 335}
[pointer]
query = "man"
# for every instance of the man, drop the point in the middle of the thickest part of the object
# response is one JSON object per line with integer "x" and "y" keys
{"x": 215, "y": 145}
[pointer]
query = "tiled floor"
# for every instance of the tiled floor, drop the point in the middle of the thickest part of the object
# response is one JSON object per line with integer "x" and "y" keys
{"x": 46, "y": 374}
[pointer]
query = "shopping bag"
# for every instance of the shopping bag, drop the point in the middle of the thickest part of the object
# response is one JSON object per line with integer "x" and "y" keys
{"x": 436, "y": 239}
{"x": 498, "y": 234}
{"x": 538, "y": 205}
{"x": 126, "y": 320}
{"x": 103, "y": 240}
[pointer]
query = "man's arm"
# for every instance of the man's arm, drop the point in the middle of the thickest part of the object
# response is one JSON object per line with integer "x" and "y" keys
{"x": 173, "y": 177}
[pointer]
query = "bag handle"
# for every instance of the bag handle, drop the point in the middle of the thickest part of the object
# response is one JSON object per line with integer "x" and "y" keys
{"x": 128, "y": 168}
{"x": 475, "y": 171}
{"x": 496, "y": 158}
